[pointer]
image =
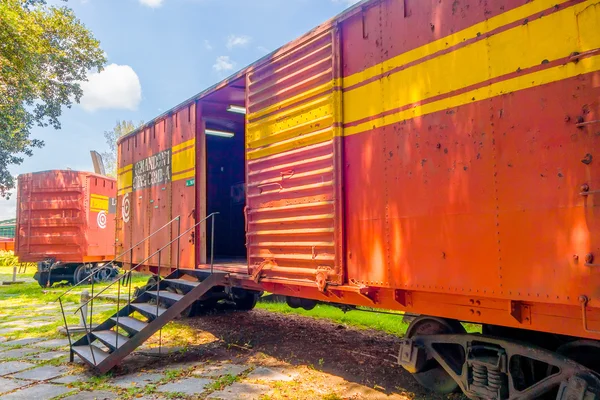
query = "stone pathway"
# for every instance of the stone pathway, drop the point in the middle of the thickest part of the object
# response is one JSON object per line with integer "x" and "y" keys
{"x": 36, "y": 379}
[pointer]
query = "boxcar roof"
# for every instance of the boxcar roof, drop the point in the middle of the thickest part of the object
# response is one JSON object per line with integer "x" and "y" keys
{"x": 241, "y": 73}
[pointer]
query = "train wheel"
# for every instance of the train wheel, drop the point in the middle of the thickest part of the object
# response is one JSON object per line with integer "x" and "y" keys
{"x": 81, "y": 273}
{"x": 245, "y": 300}
{"x": 432, "y": 376}
{"x": 584, "y": 352}
{"x": 104, "y": 275}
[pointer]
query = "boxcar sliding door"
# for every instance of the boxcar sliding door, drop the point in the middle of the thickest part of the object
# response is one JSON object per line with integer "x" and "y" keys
{"x": 293, "y": 150}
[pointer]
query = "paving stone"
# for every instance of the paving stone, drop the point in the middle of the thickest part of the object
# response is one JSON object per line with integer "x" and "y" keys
{"x": 95, "y": 395}
{"x": 17, "y": 353}
{"x": 18, "y": 322}
{"x": 51, "y": 355}
{"x": 179, "y": 366}
{"x": 41, "y": 374}
{"x": 139, "y": 380}
{"x": 221, "y": 370}
{"x": 241, "y": 391}
{"x": 38, "y": 392}
{"x": 11, "y": 367}
{"x": 3, "y": 339}
{"x": 5, "y": 331}
{"x": 188, "y": 386}
{"x": 8, "y": 385}
{"x": 23, "y": 342}
{"x": 69, "y": 379}
{"x": 50, "y": 344}
{"x": 271, "y": 374}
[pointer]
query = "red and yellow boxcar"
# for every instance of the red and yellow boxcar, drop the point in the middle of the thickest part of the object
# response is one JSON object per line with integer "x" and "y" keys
{"x": 438, "y": 158}
{"x": 65, "y": 223}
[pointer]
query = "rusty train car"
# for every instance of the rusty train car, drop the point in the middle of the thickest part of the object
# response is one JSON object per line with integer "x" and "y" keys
{"x": 66, "y": 224}
{"x": 438, "y": 158}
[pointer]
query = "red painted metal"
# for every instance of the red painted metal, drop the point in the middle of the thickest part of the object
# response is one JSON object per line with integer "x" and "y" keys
{"x": 477, "y": 210}
{"x": 7, "y": 244}
{"x": 153, "y": 191}
{"x": 292, "y": 200}
{"x": 67, "y": 216}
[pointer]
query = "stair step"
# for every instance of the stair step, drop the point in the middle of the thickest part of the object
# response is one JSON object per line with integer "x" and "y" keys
{"x": 164, "y": 294}
{"x": 182, "y": 282}
{"x": 109, "y": 338}
{"x": 131, "y": 324}
{"x": 85, "y": 353}
{"x": 148, "y": 308}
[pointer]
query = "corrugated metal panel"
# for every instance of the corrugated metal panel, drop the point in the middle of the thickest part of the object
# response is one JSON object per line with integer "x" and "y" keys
{"x": 294, "y": 225}
{"x": 53, "y": 219}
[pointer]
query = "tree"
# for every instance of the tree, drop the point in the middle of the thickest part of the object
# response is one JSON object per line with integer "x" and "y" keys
{"x": 45, "y": 52}
{"x": 121, "y": 128}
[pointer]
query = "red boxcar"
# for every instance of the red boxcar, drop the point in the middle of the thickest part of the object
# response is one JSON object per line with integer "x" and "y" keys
{"x": 65, "y": 223}
{"x": 437, "y": 158}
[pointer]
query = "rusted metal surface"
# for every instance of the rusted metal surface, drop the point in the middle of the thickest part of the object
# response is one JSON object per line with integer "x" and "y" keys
{"x": 468, "y": 180}
{"x": 67, "y": 216}
{"x": 420, "y": 156}
{"x": 157, "y": 184}
{"x": 292, "y": 201}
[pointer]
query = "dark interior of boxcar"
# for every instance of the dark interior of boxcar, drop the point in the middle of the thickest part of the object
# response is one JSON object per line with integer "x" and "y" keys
{"x": 225, "y": 121}
{"x": 225, "y": 194}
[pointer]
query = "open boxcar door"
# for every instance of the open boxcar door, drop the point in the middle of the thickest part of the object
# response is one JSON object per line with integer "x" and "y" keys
{"x": 294, "y": 165}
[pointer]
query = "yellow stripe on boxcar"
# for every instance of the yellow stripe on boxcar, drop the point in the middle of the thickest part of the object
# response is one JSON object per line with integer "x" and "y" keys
{"x": 552, "y": 37}
{"x": 480, "y": 29}
{"x": 542, "y": 77}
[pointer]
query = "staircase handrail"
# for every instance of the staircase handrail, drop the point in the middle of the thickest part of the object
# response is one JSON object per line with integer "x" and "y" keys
{"x": 105, "y": 266}
{"x": 149, "y": 257}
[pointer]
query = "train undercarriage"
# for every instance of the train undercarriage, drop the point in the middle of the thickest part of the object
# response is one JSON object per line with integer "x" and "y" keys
{"x": 50, "y": 272}
{"x": 501, "y": 363}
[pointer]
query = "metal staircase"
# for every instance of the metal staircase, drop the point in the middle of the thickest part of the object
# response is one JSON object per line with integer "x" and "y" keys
{"x": 105, "y": 345}
{"x": 123, "y": 333}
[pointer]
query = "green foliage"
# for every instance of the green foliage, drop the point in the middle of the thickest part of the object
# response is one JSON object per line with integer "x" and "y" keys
{"x": 109, "y": 158}
{"x": 223, "y": 382}
{"x": 8, "y": 259}
{"x": 45, "y": 51}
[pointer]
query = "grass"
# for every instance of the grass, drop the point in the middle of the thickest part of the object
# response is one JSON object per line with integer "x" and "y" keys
{"x": 392, "y": 324}
{"x": 389, "y": 323}
{"x": 223, "y": 382}
{"x": 25, "y": 300}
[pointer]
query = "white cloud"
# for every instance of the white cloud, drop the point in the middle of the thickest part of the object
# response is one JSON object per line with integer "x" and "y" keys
{"x": 223, "y": 64}
{"x": 235, "y": 41}
{"x": 116, "y": 87}
{"x": 207, "y": 45}
{"x": 151, "y": 3}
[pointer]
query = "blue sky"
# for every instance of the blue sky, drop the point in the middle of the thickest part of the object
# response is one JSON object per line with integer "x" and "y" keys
{"x": 161, "y": 52}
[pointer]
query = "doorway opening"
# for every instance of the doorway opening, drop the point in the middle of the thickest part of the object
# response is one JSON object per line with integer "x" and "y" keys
{"x": 226, "y": 195}
{"x": 222, "y": 119}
